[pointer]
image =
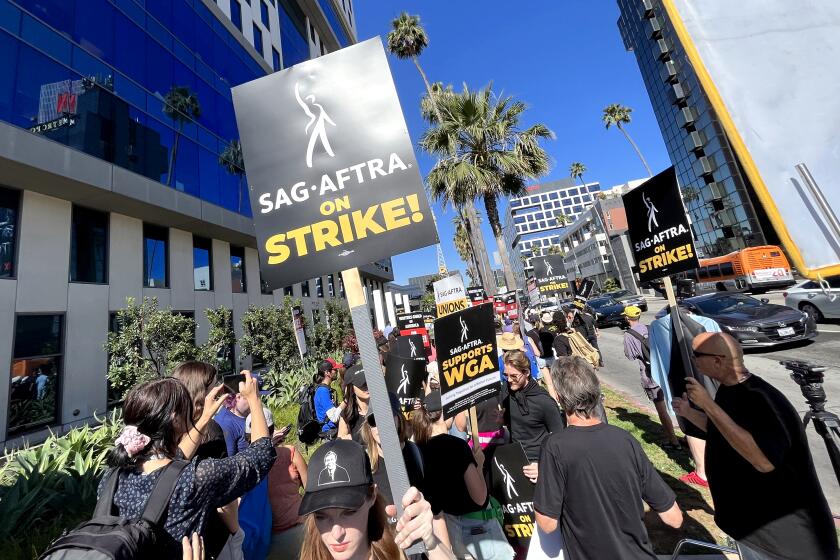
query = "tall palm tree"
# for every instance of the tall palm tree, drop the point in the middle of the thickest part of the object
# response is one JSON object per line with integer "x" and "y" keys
{"x": 484, "y": 153}
{"x": 463, "y": 245}
{"x": 231, "y": 160}
{"x": 618, "y": 115}
{"x": 181, "y": 105}
{"x": 576, "y": 170}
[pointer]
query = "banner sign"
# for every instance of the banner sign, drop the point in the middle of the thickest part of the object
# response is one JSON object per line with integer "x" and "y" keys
{"x": 513, "y": 491}
{"x": 506, "y": 304}
{"x": 550, "y": 274}
{"x": 468, "y": 358}
{"x": 414, "y": 323}
{"x": 450, "y": 295}
{"x": 411, "y": 346}
{"x": 478, "y": 296}
{"x": 583, "y": 288}
{"x": 332, "y": 176}
{"x": 660, "y": 236}
{"x": 404, "y": 377}
{"x": 300, "y": 333}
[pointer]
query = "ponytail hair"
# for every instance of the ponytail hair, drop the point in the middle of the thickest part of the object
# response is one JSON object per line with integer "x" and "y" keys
{"x": 421, "y": 424}
{"x": 198, "y": 378}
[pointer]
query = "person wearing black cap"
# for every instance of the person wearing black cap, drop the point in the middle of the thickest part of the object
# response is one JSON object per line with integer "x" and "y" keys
{"x": 455, "y": 486}
{"x": 346, "y": 518}
{"x": 357, "y": 399}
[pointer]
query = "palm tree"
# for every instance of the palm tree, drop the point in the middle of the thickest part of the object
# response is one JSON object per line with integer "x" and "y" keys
{"x": 231, "y": 160}
{"x": 619, "y": 115}
{"x": 463, "y": 245}
{"x": 484, "y": 153}
{"x": 562, "y": 220}
{"x": 576, "y": 170}
{"x": 181, "y": 105}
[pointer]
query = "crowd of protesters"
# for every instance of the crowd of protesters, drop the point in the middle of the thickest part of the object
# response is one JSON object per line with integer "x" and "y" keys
{"x": 241, "y": 492}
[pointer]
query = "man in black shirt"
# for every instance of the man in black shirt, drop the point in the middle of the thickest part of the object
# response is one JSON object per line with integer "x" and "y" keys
{"x": 762, "y": 478}
{"x": 530, "y": 412}
{"x": 594, "y": 478}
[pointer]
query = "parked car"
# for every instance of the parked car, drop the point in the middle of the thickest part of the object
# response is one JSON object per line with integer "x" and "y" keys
{"x": 815, "y": 301}
{"x": 753, "y": 322}
{"x": 608, "y": 312}
{"x": 628, "y": 298}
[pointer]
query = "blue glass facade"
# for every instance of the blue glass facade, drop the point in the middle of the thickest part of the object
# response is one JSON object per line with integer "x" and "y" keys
{"x": 93, "y": 75}
{"x": 293, "y": 40}
{"x": 335, "y": 23}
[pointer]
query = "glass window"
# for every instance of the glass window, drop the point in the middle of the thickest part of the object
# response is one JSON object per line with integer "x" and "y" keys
{"x": 304, "y": 288}
{"x": 726, "y": 269}
{"x": 335, "y": 24}
{"x": 258, "y": 38}
{"x": 155, "y": 261}
{"x": 293, "y": 40}
{"x": 275, "y": 59}
{"x": 36, "y": 367}
{"x": 264, "y": 14}
{"x": 319, "y": 287}
{"x": 237, "y": 269}
{"x": 202, "y": 264}
{"x": 236, "y": 13}
{"x": 331, "y": 285}
{"x": 9, "y": 201}
{"x": 89, "y": 246}
{"x": 287, "y": 291}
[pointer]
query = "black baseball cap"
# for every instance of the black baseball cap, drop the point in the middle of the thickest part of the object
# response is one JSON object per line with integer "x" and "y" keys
{"x": 339, "y": 477}
{"x": 431, "y": 402}
{"x": 325, "y": 367}
{"x": 355, "y": 375}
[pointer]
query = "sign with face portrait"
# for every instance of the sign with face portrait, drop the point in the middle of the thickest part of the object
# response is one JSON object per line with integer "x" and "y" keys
{"x": 332, "y": 176}
{"x": 660, "y": 236}
{"x": 468, "y": 358}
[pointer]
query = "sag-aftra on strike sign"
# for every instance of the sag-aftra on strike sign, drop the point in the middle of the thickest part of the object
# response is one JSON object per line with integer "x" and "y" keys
{"x": 332, "y": 176}
{"x": 658, "y": 228}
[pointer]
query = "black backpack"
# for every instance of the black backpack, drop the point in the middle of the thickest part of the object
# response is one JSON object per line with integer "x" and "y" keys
{"x": 645, "y": 347}
{"x": 308, "y": 426}
{"x": 109, "y": 537}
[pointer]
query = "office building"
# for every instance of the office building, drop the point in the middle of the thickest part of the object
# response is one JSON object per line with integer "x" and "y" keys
{"x": 718, "y": 196}
{"x": 531, "y": 221}
{"x": 109, "y": 193}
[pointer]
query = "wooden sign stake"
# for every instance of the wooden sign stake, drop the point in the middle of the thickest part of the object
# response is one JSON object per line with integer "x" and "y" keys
{"x": 379, "y": 401}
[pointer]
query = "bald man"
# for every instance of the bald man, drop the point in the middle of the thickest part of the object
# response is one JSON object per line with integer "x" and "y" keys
{"x": 765, "y": 488}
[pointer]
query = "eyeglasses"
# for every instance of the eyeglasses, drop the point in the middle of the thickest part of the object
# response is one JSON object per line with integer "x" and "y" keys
{"x": 698, "y": 354}
{"x": 513, "y": 375}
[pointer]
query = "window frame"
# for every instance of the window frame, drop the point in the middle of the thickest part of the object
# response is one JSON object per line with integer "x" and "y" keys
{"x": 16, "y": 230}
{"x": 258, "y": 45}
{"x": 107, "y": 216}
{"x": 166, "y": 279}
{"x": 209, "y": 249}
{"x": 265, "y": 17}
{"x": 244, "y": 281}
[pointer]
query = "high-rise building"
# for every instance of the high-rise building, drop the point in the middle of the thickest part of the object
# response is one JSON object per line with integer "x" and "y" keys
{"x": 108, "y": 192}
{"x": 718, "y": 196}
{"x": 531, "y": 221}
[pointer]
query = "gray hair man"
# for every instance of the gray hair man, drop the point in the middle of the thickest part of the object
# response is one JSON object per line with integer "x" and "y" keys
{"x": 595, "y": 477}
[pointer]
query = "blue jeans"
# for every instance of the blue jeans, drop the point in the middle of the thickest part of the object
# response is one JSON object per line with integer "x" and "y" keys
{"x": 474, "y": 538}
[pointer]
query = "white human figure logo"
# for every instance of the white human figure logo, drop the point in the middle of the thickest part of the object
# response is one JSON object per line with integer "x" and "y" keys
{"x": 403, "y": 386}
{"x": 510, "y": 489}
{"x": 548, "y": 268}
{"x": 465, "y": 332}
{"x": 413, "y": 348}
{"x": 652, "y": 211}
{"x": 319, "y": 130}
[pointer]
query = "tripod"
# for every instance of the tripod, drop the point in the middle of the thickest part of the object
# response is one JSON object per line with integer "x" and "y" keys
{"x": 810, "y": 378}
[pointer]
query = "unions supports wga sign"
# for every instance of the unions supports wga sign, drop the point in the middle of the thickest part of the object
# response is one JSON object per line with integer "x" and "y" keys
{"x": 660, "y": 236}
{"x": 332, "y": 176}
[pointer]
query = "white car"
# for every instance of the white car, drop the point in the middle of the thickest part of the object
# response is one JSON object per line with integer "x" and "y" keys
{"x": 818, "y": 301}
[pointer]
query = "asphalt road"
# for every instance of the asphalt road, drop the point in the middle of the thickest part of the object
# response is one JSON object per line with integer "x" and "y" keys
{"x": 623, "y": 375}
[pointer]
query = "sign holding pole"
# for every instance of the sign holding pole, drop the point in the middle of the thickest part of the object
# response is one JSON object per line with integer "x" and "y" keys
{"x": 334, "y": 184}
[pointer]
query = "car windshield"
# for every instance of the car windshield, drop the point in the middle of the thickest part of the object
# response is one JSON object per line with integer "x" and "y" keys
{"x": 620, "y": 293}
{"x": 601, "y": 302}
{"x": 726, "y": 304}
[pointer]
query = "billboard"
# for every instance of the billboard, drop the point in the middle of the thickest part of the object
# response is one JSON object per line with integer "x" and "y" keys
{"x": 332, "y": 176}
{"x": 772, "y": 81}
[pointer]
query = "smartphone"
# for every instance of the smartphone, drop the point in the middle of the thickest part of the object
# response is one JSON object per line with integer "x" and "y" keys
{"x": 231, "y": 381}
{"x": 284, "y": 431}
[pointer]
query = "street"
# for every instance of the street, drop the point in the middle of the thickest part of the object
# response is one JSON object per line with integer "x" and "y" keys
{"x": 623, "y": 375}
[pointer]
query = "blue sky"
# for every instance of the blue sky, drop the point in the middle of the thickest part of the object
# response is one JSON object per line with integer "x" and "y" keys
{"x": 564, "y": 58}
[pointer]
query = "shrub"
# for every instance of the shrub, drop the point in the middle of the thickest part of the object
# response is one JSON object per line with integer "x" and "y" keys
{"x": 610, "y": 285}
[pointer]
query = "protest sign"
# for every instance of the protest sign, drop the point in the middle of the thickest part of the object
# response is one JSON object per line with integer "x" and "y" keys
{"x": 450, "y": 295}
{"x": 404, "y": 377}
{"x": 300, "y": 333}
{"x": 411, "y": 346}
{"x": 467, "y": 358}
{"x": 583, "y": 288}
{"x": 513, "y": 491}
{"x": 414, "y": 323}
{"x": 332, "y": 176}
{"x": 478, "y": 296}
{"x": 550, "y": 275}
{"x": 660, "y": 236}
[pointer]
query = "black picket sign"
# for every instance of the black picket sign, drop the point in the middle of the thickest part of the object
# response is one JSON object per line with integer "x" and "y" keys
{"x": 404, "y": 377}
{"x": 513, "y": 490}
{"x": 411, "y": 346}
{"x": 550, "y": 274}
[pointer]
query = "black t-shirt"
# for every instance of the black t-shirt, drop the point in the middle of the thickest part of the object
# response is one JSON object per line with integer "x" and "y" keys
{"x": 531, "y": 414}
{"x": 783, "y": 513}
{"x": 213, "y": 446}
{"x": 414, "y": 469}
{"x": 593, "y": 479}
{"x": 585, "y": 325}
{"x": 562, "y": 347}
{"x": 534, "y": 335}
{"x": 490, "y": 415}
{"x": 546, "y": 340}
{"x": 445, "y": 459}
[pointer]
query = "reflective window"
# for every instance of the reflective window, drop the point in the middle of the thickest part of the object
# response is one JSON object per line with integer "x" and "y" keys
{"x": 331, "y": 285}
{"x": 319, "y": 287}
{"x": 89, "y": 246}
{"x": 9, "y": 203}
{"x": 236, "y": 13}
{"x": 287, "y": 291}
{"x": 202, "y": 264}
{"x": 264, "y": 15}
{"x": 155, "y": 261}
{"x": 36, "y": 368}
{"x": 237, "y": 269}
{"x": 293, "y": 41}
{"x": 275, "y": 59}
{"x": 258, "y": 38}
{"x": 304, "y": 288}
{"x": 335, "y": 24}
